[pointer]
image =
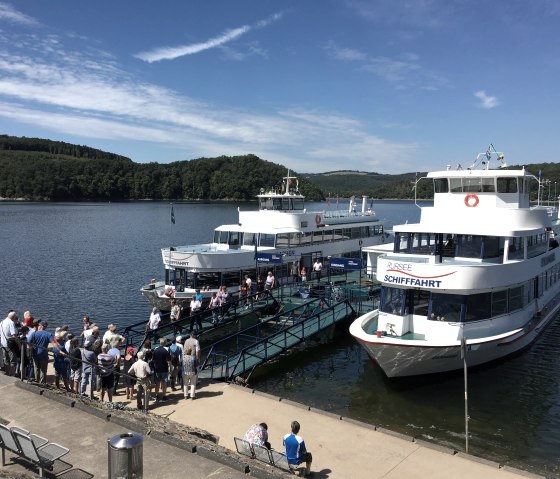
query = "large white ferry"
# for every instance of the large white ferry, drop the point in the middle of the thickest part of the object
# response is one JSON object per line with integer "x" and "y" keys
{"x": 479, "y": 274}
{"x": 281, "y": 231}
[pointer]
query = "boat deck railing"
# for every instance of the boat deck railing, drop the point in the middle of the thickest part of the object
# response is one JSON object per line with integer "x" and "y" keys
{"x": 136, "y": 334}
{"x": 242, "y": 352}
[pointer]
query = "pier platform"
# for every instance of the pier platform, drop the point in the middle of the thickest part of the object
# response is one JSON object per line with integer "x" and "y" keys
{"x": 341, "y": 447}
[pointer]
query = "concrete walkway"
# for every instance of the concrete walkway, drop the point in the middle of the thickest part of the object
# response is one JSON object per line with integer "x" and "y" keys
{"x": 341, "y": 448}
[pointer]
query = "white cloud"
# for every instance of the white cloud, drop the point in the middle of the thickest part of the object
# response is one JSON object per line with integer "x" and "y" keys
{"x": 171, "y": 53}
{"x": 404, "y": 71}
{"x": 84, "y": 93}
{"x": 8, "y": 13}
{"x": 486, "y": 101}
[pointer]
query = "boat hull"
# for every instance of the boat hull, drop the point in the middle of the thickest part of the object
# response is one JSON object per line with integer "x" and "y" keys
{"x": 401, "y": 358}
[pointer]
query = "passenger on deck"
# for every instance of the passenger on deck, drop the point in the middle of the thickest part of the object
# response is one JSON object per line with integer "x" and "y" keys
{"x": 116, "y": 353}
{"x": 193, "y": 343}
{"x": 61, "y": 366}
{"x": 296, "y": 453}
{"x": 258, "y": 434}
{"x": 260, "y": 286}
{"x": 190, "y": 372}
{"x": 269, "y": 282}
{"x": 42, "y": 340}
{"x": 111, "y": 337}
{"x": 317, "y": 267}
{"x": 175, "y": 314}
{"x": 89, "y": 358}
{"x": 294, "y": 271}
{"x": 303, "y": 274}
{"x": 154, "y": 320}
{"x": 214, "y": 306}
{"x": 195, "y": 306}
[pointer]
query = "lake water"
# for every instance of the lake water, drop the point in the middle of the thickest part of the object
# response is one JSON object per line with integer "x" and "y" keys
{"x": 62, "y": 261}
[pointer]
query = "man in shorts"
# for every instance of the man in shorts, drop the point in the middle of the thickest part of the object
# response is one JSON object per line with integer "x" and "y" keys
{"x": 162, "y": 363}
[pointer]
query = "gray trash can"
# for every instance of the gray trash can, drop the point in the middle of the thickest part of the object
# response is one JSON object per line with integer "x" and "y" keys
{"x": 126, "y": 456}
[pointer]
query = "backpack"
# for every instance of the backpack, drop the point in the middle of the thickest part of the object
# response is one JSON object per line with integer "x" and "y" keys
{"x": 174, "y": 355}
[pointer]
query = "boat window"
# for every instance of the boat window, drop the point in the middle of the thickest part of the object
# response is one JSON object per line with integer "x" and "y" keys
{"x": 455, "y": 185}
{"x": 478, "y": 307}
{"x": 392, "y": 300}
{"x": 491, "y": 247}
{"x": 499, "y": 303}
{"x": 356, "y": 232}
{"x": 401, "y": 242}
{"x": 487, "y": 185}
{"x": 423, "y": 243}
{"x": 249, "y": 239}
{"x": 446, "y": 307}
{"x": 267, "y": 239}
{"x": 536, "y": 244}
{"x": 318, "y": 236}
{"x": 283, "y": 240}
{"x": 328, "y": 236}
{"x": 286, "y": 204}
{"x": 515, "y": 248}
{"x": 377, "y": 230}
{"x": 220, "y": 237}
{"x": 420, "y": 299}
{"x": 347, "y": 233}
{"x": 338, "y": 235}
{"x": 469, "y": 246}
{"x": 441, "y": 185}
{"x": 364, "y": 231}
{"x": 472, "y": 185}
{"x": 234, "y": 238}
{"x": 515, "y": 298}
{"x": 507, "y": 185}
{"x": 303, "y": 224}
{"x": 294, "y": 239}
{"x": 297, "y": 203}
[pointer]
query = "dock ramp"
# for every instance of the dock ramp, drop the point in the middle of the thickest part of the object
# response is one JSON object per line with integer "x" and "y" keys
{"x": 242, "y": 352}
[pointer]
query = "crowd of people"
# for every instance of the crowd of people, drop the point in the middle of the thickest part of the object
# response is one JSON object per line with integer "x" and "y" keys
{"x": 99, "y": 362}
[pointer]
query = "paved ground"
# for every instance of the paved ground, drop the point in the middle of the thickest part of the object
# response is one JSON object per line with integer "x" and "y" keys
{"x": 340, "y": 448}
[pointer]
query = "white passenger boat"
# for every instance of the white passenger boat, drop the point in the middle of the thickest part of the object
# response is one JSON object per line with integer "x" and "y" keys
{"x": 481, "y": 268}
{"x": 282, "y": 231}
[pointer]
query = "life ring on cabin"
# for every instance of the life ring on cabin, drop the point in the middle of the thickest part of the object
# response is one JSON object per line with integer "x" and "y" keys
{"x": 471, "y": 200}
{"x": 318, "y": 219}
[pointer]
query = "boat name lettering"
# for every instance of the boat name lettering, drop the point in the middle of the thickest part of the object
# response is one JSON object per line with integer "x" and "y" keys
{"x": 445, "y": 356}
{"x": 547, "y": 260}
{"x": 174, "y": 262}
{"x": 425, "y": 283}
{"x": 288, "y": 252}
{"x": 399, "y": 266}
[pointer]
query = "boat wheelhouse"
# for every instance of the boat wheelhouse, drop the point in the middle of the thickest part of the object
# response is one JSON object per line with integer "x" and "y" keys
{"x": 481, "y": 268}
{"x": 282, "y": 229}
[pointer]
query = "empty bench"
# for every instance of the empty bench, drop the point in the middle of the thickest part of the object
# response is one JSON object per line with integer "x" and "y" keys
{"x": 31, "y": 447}
{"x": 261, "y": 453}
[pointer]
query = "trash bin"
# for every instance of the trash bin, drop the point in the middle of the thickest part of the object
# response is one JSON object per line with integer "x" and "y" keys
{"x": 126, "y": 456}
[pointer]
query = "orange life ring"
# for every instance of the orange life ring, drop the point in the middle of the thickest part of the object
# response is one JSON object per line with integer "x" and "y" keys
{"x": 318, "y": 219}
{"x": 469, "y": 203}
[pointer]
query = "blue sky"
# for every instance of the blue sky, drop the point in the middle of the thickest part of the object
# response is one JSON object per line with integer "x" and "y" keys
{"x": 319, "y": 85}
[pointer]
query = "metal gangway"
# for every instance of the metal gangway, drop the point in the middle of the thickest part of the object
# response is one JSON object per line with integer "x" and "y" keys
{"x": 233, "y": 312}
{"x": 243, "y": 351}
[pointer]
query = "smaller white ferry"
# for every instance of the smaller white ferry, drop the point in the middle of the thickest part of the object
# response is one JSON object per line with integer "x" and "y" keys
{"x": 479, "y": 274}
{"x": 282, "y": 231}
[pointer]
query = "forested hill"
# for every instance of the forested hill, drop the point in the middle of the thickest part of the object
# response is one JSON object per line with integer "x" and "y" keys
{"x": 36, "y": 169}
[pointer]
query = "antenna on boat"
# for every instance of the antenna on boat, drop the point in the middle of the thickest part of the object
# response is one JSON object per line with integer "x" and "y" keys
{"x": 483, "y": 159}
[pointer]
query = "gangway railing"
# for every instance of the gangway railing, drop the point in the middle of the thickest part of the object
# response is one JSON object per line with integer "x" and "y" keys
{"x": 136, "y": 334}
{"x": 245, "y": 350}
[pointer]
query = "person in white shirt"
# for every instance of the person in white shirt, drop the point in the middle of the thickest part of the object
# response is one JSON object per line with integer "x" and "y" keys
{"x": 154, "y": 320}
{"x": 8, "y": 330}
{"x": 317, "y": 267}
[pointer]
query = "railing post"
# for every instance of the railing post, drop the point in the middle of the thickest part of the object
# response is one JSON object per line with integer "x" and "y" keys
{"x": 146, "y": 397}
{"x": 91, "y": 378}
{"x": 22, "y": 347}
